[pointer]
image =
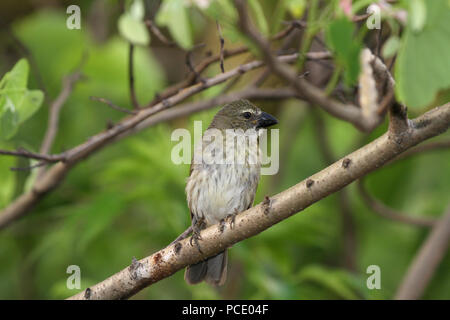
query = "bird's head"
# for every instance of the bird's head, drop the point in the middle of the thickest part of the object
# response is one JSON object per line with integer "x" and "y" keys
{"x": 241, "y": 114}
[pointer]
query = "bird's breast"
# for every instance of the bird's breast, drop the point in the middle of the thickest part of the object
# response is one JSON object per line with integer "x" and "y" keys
{"x": 215, "y": 190}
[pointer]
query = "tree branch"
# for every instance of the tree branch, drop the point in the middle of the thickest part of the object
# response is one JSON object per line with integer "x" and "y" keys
{"x": 311, "y": 93}
{"x": 68, "y": 159}
{"x": 226, "y": 53}
{"x": 68, "y": 84}
{"x": 426, "y": 261}
{"x": 389, "y": 213}
{"x": 169, "y": 260}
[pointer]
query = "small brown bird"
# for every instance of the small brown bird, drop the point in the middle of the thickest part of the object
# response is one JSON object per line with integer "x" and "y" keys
{"x": 216, "y": 188}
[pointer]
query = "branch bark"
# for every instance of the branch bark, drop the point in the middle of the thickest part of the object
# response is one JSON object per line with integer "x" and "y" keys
{"x": 169, "y": 260}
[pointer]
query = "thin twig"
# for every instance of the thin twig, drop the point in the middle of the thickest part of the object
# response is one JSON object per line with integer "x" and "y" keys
{"x": 133, "y": 96}
{"x": 192, "y": 77}
{"x": 32, "y": 155}
{"x": 420, "y": 149}
{"x": 68, "y": 84}
{"x": 222, "y": 44}
{"x": 112, "y": 105}
{"x": 190, "y": 64}
{"x": 37, "y": 165}
{"x": 392, "y": 214}
{"x": 155, "y": 30}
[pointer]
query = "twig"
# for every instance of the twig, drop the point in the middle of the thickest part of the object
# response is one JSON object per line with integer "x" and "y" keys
{"x": 425, "y": 263}
{"x": 431, "y": 146}
{"x": 169, "y": 260}
{"x": 389, "y": 213}
{"x": 31, "y": 155}
{"x": 133, "y": 96}
{"x": 155, "y": 30}
{"x": 68, "y": 84}
{"x": 190, "y": 65}
{"x": 37, "y": 165}
{"x": 212, "y": 59}
{"x": 222, "y": 44}
{"x": 112, "y": 105}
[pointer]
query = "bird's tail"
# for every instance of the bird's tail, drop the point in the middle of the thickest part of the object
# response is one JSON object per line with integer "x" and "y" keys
{"x": 213, "y": 270}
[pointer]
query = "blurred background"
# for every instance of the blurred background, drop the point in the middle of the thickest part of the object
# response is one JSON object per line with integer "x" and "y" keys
{"x": 128, "y": 200}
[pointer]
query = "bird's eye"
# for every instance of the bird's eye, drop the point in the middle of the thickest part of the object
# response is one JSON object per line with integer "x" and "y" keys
{"x": 247, "y": 115}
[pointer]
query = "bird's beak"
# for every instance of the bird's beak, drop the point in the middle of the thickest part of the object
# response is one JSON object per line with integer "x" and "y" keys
{"x": 266, "y": 120}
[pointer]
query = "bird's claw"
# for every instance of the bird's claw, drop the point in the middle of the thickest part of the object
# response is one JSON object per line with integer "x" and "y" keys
{"x": 222, "y": 225}
{"x": 194, "y": 240}
{"x": 232, "y": 218}
{"x": 196, "y": 228}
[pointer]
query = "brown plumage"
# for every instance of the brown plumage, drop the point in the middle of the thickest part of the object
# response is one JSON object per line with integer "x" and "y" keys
{"x": 218, "y": 187}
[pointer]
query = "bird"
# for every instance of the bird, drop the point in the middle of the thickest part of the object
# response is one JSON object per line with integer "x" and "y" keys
{"x": 217, "y": 190}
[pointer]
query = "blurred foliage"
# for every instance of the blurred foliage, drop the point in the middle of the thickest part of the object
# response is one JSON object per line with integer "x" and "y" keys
{"x": 427, "y": 35}
{"x": 128, "y": 200}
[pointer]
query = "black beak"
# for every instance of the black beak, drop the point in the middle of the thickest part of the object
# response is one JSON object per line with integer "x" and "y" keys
{"x": 266, "y": 120}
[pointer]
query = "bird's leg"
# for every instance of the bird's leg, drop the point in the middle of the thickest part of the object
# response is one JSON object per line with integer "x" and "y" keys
{"x": 232, "y": 218}
{"x": 222, "y": 225}
{"x": 197, "y": 226}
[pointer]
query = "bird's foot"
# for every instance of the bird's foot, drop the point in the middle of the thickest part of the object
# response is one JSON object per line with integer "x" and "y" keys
{"x": 232, "y": 218}
{"x": 196, "y": 228}
{"x": 222, "y": 225}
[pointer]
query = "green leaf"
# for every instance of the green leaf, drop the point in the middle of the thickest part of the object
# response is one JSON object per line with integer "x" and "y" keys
{"x": 8, "y": 184}
{"x": 422, "y": 68}
{"x": 417, "y": 15}
{"x": 29, "y": 104}
{"x": 17, "y": 77}
{"x": 9, "y": 121}
{"x": 173, "y": 15}
{"x": 137, "y": 10}
{"x": 391, "y": 47}
{"x": 340, "y": 38}
{"x": 133, "y": 30}
{"x": 17, "y": 103}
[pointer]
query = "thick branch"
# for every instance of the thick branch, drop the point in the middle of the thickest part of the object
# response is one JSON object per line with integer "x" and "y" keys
{"x": 259, "y": 218}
